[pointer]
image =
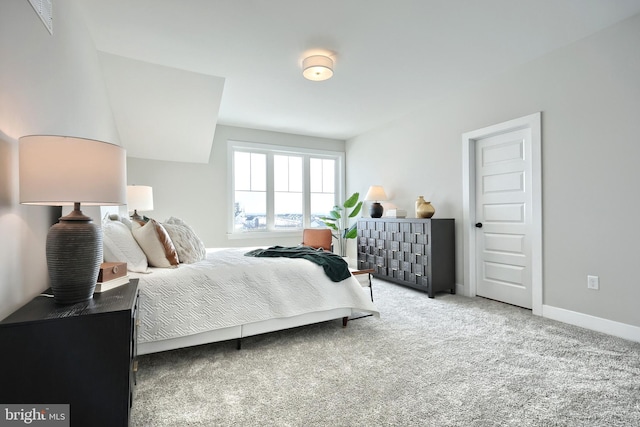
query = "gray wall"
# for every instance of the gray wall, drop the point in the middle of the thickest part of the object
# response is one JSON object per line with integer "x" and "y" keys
{"x": 198, "y": 193}
{"x": 49, "y": 84}
{"x": 589, "y": 95}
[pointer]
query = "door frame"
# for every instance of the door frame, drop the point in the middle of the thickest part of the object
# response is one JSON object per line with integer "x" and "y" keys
{"x": 534, "y": 123}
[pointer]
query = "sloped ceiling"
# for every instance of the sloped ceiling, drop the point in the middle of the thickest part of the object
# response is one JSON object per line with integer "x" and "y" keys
{"x": 391, "y": 57}
{"x": 162, "y": 113}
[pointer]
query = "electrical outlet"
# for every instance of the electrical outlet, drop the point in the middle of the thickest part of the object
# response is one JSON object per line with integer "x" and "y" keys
{"x": 593, "y": 282}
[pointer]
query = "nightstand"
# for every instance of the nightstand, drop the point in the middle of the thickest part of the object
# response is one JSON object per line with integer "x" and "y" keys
{"x": 364, "y": 277}
{"x": 81, "y": 354}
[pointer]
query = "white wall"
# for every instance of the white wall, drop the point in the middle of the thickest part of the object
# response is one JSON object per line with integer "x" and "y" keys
{"x": 589, "y": 94}
{"x": 49, "y": 84}
{"x": 198, "y": 193}
{"x": 23, "y": 229}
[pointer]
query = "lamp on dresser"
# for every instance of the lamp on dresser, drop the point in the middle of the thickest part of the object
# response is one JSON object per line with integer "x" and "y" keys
{"x": 68, "y": 171}
{"x": 376, "y": 194}
{"x": 139, "y": 198}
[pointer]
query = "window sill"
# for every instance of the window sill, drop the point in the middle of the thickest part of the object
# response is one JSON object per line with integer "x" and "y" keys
{"x": 264, "y": 234}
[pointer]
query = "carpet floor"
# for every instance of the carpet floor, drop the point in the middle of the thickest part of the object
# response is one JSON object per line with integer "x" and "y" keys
{"x": 447, "y": 361}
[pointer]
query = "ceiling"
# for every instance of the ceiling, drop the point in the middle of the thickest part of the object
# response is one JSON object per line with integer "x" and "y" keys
{"x": 390, "y": 56}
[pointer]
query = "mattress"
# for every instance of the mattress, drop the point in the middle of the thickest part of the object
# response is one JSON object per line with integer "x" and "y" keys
{"x": 229, "y": 289}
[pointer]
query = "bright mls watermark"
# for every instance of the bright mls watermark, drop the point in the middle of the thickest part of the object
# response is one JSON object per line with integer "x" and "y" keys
{"x": 34, "y": 415}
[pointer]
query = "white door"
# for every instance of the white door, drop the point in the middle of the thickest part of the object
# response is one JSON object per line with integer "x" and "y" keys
{"x": 503, "y": 217}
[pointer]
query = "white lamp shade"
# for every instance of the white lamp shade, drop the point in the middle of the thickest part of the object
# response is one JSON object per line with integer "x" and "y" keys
{"x": 317, "y": 68}
{"x": 139, "y": 197}
{"x": 62, "y": 170}
{"x": 376, "y": 193}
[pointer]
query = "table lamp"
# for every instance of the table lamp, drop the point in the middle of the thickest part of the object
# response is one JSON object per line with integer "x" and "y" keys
{"x": 68, "y": 171}
{"x": 376, "y": 194}
{"x": 139, "y": 198}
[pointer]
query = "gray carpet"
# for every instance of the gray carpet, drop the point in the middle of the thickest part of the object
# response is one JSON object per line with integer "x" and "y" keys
{"x": 448, "y": 361}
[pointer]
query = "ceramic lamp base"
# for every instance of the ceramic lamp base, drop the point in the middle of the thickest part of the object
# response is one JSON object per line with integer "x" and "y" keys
{"x": 376, "y": 210}
{"x": 74, "y": 255}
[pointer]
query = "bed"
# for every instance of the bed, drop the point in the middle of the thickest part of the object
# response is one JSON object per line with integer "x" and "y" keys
{"x": 221, "y": 294}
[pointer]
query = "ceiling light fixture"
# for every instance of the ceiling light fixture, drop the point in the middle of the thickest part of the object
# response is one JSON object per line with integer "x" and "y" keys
{"x": 317, "y": 68}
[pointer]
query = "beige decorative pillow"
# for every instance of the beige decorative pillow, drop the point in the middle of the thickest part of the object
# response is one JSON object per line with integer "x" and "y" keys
{"x": 189, "y": 247}
{"x": 156, "y": 244}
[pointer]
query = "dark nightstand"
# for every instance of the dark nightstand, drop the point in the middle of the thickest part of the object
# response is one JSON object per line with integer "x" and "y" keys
{"x": 365, "y": 281}
{"x": 81, "y": 354}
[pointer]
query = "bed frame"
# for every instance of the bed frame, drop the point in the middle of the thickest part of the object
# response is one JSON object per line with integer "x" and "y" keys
{"x": 247, "y": 330}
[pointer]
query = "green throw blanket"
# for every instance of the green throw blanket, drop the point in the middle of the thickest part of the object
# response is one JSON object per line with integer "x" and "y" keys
{"x": 334, "y": 265}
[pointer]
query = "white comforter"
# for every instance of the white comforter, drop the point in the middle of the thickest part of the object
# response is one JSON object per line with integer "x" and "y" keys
{"x": 230, "y": 289}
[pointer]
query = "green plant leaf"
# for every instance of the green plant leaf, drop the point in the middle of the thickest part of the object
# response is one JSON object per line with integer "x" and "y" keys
{"x": 352, "y": 232}
{"x": 337, "y": 219}
{"x": 328, "y": 224}
{"x": 356, "y": 210}
{"x": 351, "y": 201}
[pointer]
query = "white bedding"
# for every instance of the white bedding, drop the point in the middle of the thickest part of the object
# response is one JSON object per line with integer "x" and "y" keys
{"x": 229, "y": 289}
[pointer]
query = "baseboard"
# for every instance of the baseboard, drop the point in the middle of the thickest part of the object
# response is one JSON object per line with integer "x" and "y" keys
{"x": 598, "y": 324}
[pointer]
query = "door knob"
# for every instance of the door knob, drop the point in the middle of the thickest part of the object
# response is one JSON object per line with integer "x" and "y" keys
{"x": 479, "y": 224}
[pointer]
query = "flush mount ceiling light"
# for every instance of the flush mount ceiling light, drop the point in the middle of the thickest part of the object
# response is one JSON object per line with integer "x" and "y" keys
{"x": 317, "y": 68}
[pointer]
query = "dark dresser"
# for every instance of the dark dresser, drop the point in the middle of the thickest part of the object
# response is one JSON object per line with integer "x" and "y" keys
{"x": 414, "y": 252}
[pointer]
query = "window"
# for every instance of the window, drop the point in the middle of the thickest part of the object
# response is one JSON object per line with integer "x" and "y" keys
{"x": 250, "y": 189}
{"x": 322, "y": 173}
{"x": 279, "y": 188}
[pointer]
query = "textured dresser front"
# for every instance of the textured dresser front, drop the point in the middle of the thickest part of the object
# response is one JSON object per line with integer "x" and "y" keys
{"x": 419, "y": 253}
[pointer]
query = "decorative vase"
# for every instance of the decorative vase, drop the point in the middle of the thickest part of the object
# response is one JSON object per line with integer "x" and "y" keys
{"x": 74, "y": 254}
{"x": 424, "y": 209}
{"x": 376, "y": 210}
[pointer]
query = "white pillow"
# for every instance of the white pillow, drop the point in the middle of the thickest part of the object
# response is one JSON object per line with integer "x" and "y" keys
{"x": 156, "y": 244}
{"x": 123, "y": 219}
{"x": 120, "y": 246}
{"x": 189, "y": 247}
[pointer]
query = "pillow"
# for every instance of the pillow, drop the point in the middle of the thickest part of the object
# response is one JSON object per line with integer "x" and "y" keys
{"x": 120, "y": 246}
{"x": 156, "y": 244}
{"x": 123, "y": 219}
{"x": 186, "y": 242}
{"x": 189, "y": 247}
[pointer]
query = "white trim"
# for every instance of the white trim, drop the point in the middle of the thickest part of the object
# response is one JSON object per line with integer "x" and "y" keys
{"x": 598, "y": 324}
{"x": 469, "y": 139}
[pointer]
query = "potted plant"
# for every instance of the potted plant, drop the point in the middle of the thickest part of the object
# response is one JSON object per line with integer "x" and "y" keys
{"x": 338, "y": 221}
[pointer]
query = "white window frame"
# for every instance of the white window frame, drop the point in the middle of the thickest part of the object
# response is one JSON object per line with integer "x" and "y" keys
{"x": 270, "y": 150}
